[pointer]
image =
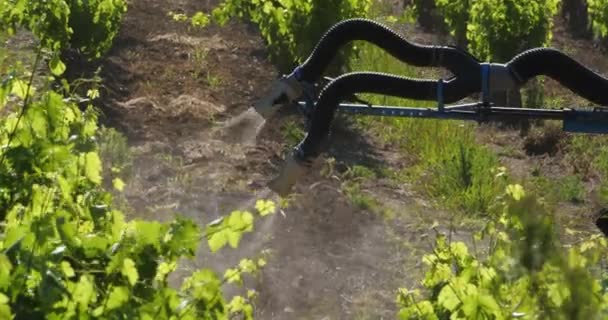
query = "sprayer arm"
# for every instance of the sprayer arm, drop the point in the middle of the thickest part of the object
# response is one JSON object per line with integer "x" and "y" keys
{"x": 470, "y": 76}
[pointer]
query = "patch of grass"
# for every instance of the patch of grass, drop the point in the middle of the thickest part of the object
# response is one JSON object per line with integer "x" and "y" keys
{"x": 588, "y": 155}
{"x": 359, "y": 171}
{"x": 359, "y": 198}
{"x": 510, "y": 151}
{"x": 565, "y": 189}
{"x": 602, "y": 194}
{"x": 214, "y": 81}
{"x": 450, "y": 164}
{"x": 354, "y": 179}
{"x": 365, "y": 201}
{"x": 553, "y": 102}
{"x": 533, "y": 95}
{"x": 571, "y": 188}
{"x": 468, "y": 178}
{"x": 199, "y": 60}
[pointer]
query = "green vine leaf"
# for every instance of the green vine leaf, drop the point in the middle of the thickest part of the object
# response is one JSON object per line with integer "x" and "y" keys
{"x": 117, "y": 298}
{"x": 57, "y": 66}
{"x": 118, "y": 184}
{"x": 67, "y": 269}
{"x": 130, "y": 271}
{"x": 92, "y": 167}
{"x": 265, "y": 207}
{"x": 84, "y": 293}
{"x": 5, "y": 309}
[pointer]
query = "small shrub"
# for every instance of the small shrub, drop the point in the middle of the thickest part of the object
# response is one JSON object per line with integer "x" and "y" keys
{"x": 547, "y": 139}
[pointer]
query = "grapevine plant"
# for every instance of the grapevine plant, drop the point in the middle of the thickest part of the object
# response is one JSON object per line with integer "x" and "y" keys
{"x": 456, "y": 16}
{"x": 598, "y": 14}
{"x": 291, "y": 28}
{"x": 498, "y": 29}
{"x": 525, "y": 274}
{"x": 66, "y": 251}
{"x": 88, "y": 26}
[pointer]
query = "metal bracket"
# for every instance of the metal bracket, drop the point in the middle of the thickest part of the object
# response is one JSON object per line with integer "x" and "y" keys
{"x": 485, "y": 83}
{"x": 440, "y": 105}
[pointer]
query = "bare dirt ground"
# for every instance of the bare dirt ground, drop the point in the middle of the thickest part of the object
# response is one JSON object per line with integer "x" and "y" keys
{"x": 169, "y": 88}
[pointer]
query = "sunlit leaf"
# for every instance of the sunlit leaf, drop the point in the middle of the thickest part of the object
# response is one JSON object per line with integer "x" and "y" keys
{"x": 247, "y": 265}
{"x": 57, "y": 66}
{"x": 84, "y": 292}
{"x": 516, "y": 191}
{"x": 149, "y": 232}
{"x": 232, "y": 275}
{"x": 118, "y": 184}
{"x": 217, "y": 240}
{"x": 200, "y": 20}
{"x": 67, "y": 269}
{"x": 5, "y": 271}
{"x": 164, "y": 268}
{"x": 5, "y": 309}
{"x": 20, "y": 88}
{"x": 92, "y": 167}
{"x": 117, "y": 298}
{"x": 265, "y": 207}
{"x": 93, "y": 93}
{"x": 448, "y": 299}
{"x": 129, "y": 271}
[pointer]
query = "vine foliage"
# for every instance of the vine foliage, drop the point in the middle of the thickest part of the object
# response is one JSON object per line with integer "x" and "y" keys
{"x": 598, "y": 14}
{"x": 66, "y": 251}
{"x": 88, "y": 26}
{"x": 526, "y": 272}
{"x": 291, "y": 28}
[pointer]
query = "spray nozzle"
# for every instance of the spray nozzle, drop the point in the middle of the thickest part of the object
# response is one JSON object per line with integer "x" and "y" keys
{"x": 285, "y": 90}
{"x": 291, "y": 171}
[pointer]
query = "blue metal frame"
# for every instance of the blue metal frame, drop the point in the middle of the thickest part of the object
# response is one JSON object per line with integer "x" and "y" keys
{"x": 574, "y": 120}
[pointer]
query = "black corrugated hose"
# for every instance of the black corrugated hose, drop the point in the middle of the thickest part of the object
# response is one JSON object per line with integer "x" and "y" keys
{"x": 562, "y": 68}
{"x": 459, "y": 62}
{"x": 467, "y": 78}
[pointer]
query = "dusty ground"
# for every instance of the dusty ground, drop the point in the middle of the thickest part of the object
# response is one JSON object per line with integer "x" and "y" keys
{"x": 170, "y": 88}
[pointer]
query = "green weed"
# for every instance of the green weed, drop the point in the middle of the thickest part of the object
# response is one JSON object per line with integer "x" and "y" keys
{"x": 359, "y": 171}
{"x": 214, "y": 81}
{"x": 354, "y": 179}
{"x": 292, "y": 133}
{"x": 359, "y": 198}
{"x": 554, "y": 190}
{"x": 545, "y": 139}
{"x": 199, "y": 60}
{"x": 533, "y": 95}
{"x": 448, "y": 163}
{"x": 468, "y": 178}
{"x": 588, "y": 155}
{"x": 571, "y": 189}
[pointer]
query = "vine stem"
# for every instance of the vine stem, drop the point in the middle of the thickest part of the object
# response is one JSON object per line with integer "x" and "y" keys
{"x": 25, "y": 100}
